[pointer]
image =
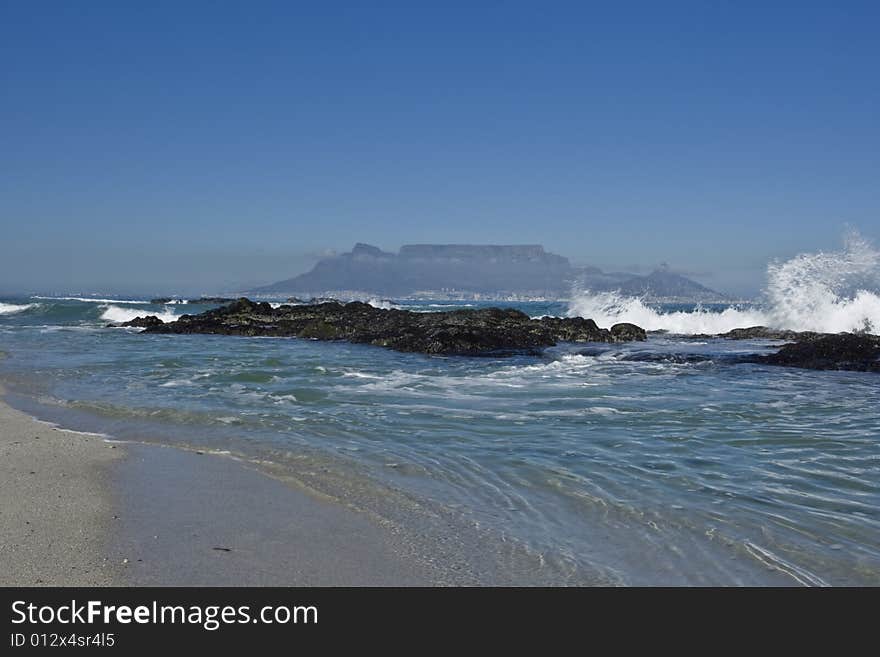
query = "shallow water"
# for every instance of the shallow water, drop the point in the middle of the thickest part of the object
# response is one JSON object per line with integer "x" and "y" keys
{"x": 652, "y": 463}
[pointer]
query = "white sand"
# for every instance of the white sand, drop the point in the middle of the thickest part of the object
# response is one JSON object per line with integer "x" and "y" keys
{"x": 55, "y": 505}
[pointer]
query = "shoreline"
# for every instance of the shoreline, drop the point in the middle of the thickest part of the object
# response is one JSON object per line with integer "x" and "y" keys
{"x": 429, "y": 542}
{"x": 56, "y": 506}
{"x": 80, "y": 511}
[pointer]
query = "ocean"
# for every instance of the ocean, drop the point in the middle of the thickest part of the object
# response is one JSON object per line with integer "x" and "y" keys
{"x": 661, "y": 462}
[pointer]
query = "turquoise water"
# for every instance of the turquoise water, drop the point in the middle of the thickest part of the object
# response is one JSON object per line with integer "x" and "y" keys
{"x": 652, "y": 463}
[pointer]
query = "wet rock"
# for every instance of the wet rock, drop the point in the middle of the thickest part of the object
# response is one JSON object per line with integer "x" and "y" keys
{"x": 765, "y": 333}
{"x": 206, "y": 300}
{"x": 484, "y": 331}
{"x": 140, "y": 322}
{"x": 626, "y": 332}
{"x": 844, "y": 351}
{"x": 576, "y": 329}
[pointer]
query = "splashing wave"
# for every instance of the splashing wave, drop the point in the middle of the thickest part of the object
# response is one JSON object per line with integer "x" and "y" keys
{"x": 829, "y": 292}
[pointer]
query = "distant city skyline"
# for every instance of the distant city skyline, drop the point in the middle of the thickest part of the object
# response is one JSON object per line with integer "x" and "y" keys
{"x": 201, "y": 147}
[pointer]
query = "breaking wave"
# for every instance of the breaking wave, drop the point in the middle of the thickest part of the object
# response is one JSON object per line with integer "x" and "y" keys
{"x": 91, "y": 300}
{"x": 10, "y": 308}
{"x": 608, "y": 308}
{"x": 383, "y": 304}
{"x": 829, "y": 292}
{"x": 117, "y": 315}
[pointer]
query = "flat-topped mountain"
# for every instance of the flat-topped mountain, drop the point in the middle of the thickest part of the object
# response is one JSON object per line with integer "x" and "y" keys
{"x": 479, "y": 270}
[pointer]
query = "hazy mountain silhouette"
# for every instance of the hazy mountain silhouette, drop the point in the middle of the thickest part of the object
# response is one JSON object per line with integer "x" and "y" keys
{"x": 464, "y": 269}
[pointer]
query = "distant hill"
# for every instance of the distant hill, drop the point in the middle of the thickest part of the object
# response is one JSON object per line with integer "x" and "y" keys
{"x": 464, "y": 270}
{"x": 665, "y": 284}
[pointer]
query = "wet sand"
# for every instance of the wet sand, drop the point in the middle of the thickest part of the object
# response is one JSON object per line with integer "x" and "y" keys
{"x": 190, "y": 519}
{"x": 76, "y": 510}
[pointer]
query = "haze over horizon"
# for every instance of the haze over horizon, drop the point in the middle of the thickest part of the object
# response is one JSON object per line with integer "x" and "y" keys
{"x": 202, "y": 148}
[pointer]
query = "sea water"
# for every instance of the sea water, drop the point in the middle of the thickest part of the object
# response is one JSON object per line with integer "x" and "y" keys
{"x": 662, "y": 462}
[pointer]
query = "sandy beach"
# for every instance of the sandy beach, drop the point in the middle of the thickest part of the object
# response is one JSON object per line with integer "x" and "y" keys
{"x": 56, "y": 507}
{"x": 77, "y": 510}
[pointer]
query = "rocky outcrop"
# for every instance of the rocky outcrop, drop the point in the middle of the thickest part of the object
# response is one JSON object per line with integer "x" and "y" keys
{"x": 626, "y": 332}
{"x": 140, "y": 322}
{"x": 844, "y": 351}
{"x": 484, "y": 331}
{"x": 765, "y": 333}
{"x": 810, "y": 350}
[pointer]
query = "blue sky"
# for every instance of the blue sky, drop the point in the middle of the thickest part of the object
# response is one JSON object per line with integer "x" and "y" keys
{"x": 170, "y": 146}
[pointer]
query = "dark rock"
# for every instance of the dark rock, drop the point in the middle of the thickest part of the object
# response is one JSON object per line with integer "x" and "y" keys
{"x": 625, "y": 332}
{"x": 202, "y": 300}
{"x": 576, "y": 329}
{"x": 764, "y": 333}
{"x": 844, "y": 351}
{"x": 754, "y": 333}
{"x": 206, "y": 300}
{"x": 141, "y": 322}
{"x": 484, "y": 331}
{"x": 660, "y": 357}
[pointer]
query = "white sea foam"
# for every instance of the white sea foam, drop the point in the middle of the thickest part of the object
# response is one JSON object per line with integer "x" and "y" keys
{"x": 567, "y": 364}
{"x": 91, "y": 300}
{"x": 608, "y": 308}
{"x": 361, "y": 375}
{"x": 174, "y": 383}
{"x": 12, "y": 308}
{"x": 57, "y": 427}
{"x": 450, "y": 305}
{"x": 828, "y": 292}
{"x": 116, "y": 314}
{"x": 384, "y": 304}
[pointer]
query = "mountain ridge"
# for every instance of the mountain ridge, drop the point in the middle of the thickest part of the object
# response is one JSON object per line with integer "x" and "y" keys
{"x": 474, "y": 271}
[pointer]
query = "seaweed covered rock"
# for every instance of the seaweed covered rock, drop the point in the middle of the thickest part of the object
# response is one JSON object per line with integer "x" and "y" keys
{"x": 141, "y": 322}
{"x": 483, "y": 331}
{"x": 844, "y": 351}
{"x": 765, "y": 333}
{"x": 626, "y": 332}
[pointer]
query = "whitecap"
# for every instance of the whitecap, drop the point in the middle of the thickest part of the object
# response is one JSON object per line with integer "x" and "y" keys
{"x": 12, "y": 308}
{"x": 383, "y": 304}
{"x": 361, "y": 375}
{"x": 117, "y": 315}
{"x": 93, "y": 300}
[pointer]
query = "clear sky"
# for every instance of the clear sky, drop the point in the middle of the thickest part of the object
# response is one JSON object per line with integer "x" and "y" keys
{"x": 185, "y": 146}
